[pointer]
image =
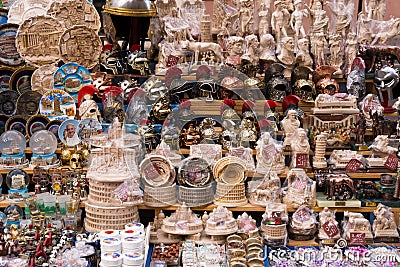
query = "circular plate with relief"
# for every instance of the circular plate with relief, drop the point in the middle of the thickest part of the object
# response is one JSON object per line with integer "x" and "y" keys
{"x": 82, "y": 45}
{"x": 8, "y": 102}
{"x": 5, "y": 75}
{"x": 57, "y": 105}
{"x": 28, "y": 103}
{"x": 194, "y": 172}
{"x": 8, "y": 51}
{"x": 22, "y": 10}
{"x": 71, "y": 77}
{"x": 157, "y": 171}
{"x": 75, "y": 12}
{"x": 36, "y": 123}
{"x": 53, "y": 127}
{"x": 42, "y": 79}
{"x": 20, "y": 80}
{"x": 37, "y": 40}
{"x": 16, "y": 123}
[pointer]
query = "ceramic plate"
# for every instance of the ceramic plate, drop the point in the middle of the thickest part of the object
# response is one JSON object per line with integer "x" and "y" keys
{"x": 75, "y": 12}
{"x": 21, "y": 10}
{"x": 8, "y": 51}
{"x": 37, "y": 40}
{"x": 87, "y": 128}
{"x": 42, "y": 79}
{"x": 8, "y": 102}
{"x": 71, "y": 77}
{"x": 53, "y": 127}
{"x": 82, "y": 45}
{"x": 63, "y": 132}
{"x": 36, "y": 123}
{"x": 5, "y": 75}
{"x": 28, "y": 103}
{"x": 16, "y": 123}
{"x": 20, "y": 80}
{"x": 57, "y": 105}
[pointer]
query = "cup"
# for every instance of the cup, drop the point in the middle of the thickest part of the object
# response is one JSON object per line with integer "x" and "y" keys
{"x": 62, "y": 200}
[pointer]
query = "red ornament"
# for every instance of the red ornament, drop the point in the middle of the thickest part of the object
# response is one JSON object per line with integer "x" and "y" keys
{"x": 248, "y": 105}
{"x": 270, "y": 104}
{"x": 289, "y": 100}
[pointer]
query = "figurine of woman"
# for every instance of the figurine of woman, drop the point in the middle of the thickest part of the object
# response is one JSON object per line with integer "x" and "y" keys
{"x": 235, "y": 50}
{"x": 175, "y": 26}
{"x": 296, "y": 22}
{"x": 303, "y": 57}
{"x": 269, "y": 155}
{"x": 321, "y": 20}
{"x": 335, "y": 47}
{"x": 290, "y": 124}
{"x": 246, "y": 17}
{"x": 318, "y": 43}
{"x": 299, "y": 145}
{"x": 350, "y": 51}
{"x": 376, "y": 9}
{"x": 279, "y": 22}
{"x": 264, "y": 21}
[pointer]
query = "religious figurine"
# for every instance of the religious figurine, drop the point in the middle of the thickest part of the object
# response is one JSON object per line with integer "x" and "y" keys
{"x": 246, "y": 18}
{"x": 342, "y": 16}
{"x": 235, "y": 50}
{"x": 335, "y": 47}
{"x": 296, "y": 22}
{"x": 264, "y": 21}
{"x": 299, "y": 145}
{"x": 252, "y": 45}
{"x": 279, "y": 21}
{"x": 290, "y": 124}
{"x": 269, "y": 155}
{"x": 376, "y": 9}
{"x": 303, "y": 57}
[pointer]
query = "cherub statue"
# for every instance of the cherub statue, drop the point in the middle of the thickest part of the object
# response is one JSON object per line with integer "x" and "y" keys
{"x": 296, "y": 22}
{"x": 279, "y": 22}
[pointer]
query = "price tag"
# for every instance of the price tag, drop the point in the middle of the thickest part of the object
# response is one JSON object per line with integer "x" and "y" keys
{"x": 302, "y": 161}
{"x": 353, "y": 165}
{"x": 330, "y": 228}
{"x": 172, "y": 61}
{"x": 391, "y": 162}
{"x": 357, "y": 239}
{"x": 340, "y": 203}
{"x": 370, "y": 204}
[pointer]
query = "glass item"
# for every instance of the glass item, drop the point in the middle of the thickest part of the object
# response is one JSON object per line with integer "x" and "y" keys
{"x": 43, "y": 143}
{"x": 12, "y": 143}
{"x": 17, "y": 180}
{"x": 62, "y": 203}
{"x": 14, "y": 213}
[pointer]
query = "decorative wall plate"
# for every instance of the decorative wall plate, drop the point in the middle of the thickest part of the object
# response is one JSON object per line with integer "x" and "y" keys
{"x": 194, "y": 172}
{"x": 75, "y": 12}
{"x": 42, "y": 79}
{"x": 22, "y": 10}
{"x": 57, "y": 105}
{"x": 82, "y": 45}
{"x": 53, "y": 127}
{"x": 20, "y": 80}
{"x": 63, "y": 132}
{"x": 88, "y": 127}
{"x": 5, "y": 75}
{"x": 16, "y": 123}
{"x": 8, "y": 102}
{"x": 157, "y": 171}
{"x": 28, "y": 103}
{"x": 3, "y": 120}
{"x": 71, "y": 77}
{"x": 37, "y": 40}
{"x": 8, "y": 51}
{"x": 36, "y": 123}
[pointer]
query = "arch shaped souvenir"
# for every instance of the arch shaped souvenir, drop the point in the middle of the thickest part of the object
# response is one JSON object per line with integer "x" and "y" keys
{"x": 42, "y": 79}
{"x": 8, "y": 100}
{"x": 5, "y": 75}
{"x": 37, "y": 40}
{"x": 3, "y": 120}
{"x": 71, "y": 77}
{"x": 113, "y": 104}
{"x": 22, "y": 10}
{"x": 53, "y": 127}
{"x": 35, "y": 124}
{"x": 82, "y": 45}
{"x": 28, "y": 103}
{"x": 20, "y": 80}
{"x": 57, "y": 105}
{"x": 194, "y": 172}
{"x": 17, "y": 123}
{"x": 68, "y": 132}
{"x": 8, "y": 51}
{"x": 75, "y": 12}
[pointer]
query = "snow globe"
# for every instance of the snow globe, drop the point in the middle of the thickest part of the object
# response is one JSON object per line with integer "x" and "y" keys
{"x": 43, "y": 145}
{"x": 17, "y": 181}
{"x": 12, "y": 147}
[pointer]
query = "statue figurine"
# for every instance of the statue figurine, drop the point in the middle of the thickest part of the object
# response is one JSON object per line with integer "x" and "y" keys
{"x": 251, "y": 54}
{"x": 303, "y": 57}
{"x": 296, "y": 22}
{"x": 235, "y": 50}
{"x": 335, "y": 47}
{"x": 318, "y": 43}
{"x": 342, "y": 16}
{"x": 286, "y": 55}
{"x": 299, "y": 145}
{"x": 175, "y": 26}
{"x": 351, "y": 49}
{"x": 320, "y": 19}
{"x": 376, "y": 9}
{"x": 246, "y": 18}
{"x": 290, "y": 124}
{"x": 267, "y": 51}
{"x": 327, "y": 217}
{"x": 279, "y": 22}
{"x": 264, "y": 21}
{"x": 270, "y": 157}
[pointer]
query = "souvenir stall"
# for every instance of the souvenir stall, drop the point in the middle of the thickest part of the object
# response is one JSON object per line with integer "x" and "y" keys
{"x": 199, "y": 133}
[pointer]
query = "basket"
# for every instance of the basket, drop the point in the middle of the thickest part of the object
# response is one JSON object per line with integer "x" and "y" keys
{"x": 103, "y": 218}
{"x": 160, "y": 196}
{"x": 230, "y": 195}
{"x": 195, "y": 197}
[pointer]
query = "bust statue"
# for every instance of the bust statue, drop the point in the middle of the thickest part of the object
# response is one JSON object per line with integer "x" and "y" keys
{"x": 290, "y": 124}
{"x": 299, "y": 145}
